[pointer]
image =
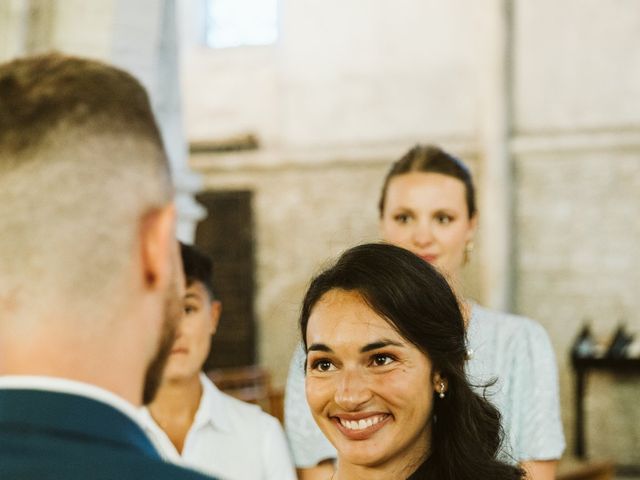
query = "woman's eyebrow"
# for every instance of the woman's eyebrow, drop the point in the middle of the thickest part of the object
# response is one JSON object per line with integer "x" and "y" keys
{"x": 402, "y": 209}
{"x": 380, "y": 344}
{"x": 319, "y": 347}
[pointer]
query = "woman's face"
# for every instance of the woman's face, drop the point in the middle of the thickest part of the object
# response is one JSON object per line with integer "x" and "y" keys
{"x": 369, "y": 389}
{"x": 427, "y": 214}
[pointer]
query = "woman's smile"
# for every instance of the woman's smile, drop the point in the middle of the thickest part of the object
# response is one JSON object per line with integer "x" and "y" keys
{"x": 361, "y": 426}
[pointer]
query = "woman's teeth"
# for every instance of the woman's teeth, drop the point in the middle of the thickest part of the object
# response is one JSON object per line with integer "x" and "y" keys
{"x": 361, "y": 424}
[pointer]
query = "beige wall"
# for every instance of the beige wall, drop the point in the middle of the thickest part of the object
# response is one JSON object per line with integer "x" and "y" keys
{"x": 577, "y": 177}
{"x": 578, "y": 261}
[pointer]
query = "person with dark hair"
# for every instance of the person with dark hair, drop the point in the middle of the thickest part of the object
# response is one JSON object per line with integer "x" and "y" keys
{"x": 428, "y": 206}
{"x": 385, "y": 354}
{"x": 90, "y": 278}
{"x": 194, "y": 422}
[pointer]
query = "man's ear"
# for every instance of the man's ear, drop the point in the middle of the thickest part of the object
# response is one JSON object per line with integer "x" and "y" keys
{"x": 216, "y": 311}
{"x": 158, "y": 246}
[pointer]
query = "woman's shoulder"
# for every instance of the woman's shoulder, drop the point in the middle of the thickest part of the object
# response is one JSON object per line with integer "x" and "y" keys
{"x": 519, "y": 339}
{"x": 510, "y": 324}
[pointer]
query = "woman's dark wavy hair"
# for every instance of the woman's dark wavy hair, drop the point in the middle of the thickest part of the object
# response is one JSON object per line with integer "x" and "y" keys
{"x": 418, "y": 302}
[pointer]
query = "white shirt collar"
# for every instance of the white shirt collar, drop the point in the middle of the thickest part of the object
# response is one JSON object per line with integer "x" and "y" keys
{"x": 211, "y": 411}
{"x": 72, "y": 387}
{"x": 212, "y": 408}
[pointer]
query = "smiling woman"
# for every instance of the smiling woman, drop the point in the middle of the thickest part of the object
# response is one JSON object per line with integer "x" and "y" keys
{"x": 385, "y": 343}
{"x": 371, "y": 390}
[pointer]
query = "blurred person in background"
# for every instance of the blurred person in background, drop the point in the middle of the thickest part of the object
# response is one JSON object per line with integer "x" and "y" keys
{"x": 194, "y": 422}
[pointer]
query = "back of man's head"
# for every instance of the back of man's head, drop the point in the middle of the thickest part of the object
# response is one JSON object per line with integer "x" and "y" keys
{"x": 81, "y": 164}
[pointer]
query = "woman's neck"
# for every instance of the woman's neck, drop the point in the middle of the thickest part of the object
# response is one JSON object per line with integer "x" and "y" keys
{"x": 357, "y": 472}
{"x": 175, "y": 406}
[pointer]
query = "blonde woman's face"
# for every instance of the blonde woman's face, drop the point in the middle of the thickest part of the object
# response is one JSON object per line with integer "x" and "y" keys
{"x": 427, "y": 214}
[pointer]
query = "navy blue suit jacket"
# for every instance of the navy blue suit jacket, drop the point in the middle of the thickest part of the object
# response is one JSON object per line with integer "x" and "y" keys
{"x": 58, "y": 436}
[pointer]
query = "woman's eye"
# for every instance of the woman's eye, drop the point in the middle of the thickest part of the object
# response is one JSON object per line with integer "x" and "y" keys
{"x": 444, "y": 219}
{"x": 402, "y": 218}
{"x": 322, "y": 366}
{"x": 380, "y": 360}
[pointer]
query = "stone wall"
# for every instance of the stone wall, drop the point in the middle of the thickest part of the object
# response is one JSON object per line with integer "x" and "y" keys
{"x": 578, "y": 261}
{"x": 576, "y": 156}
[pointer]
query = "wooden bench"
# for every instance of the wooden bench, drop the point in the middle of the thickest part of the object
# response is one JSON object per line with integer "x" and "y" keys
{"x": 250, "y": 384}
{"x": 587, "y": 470}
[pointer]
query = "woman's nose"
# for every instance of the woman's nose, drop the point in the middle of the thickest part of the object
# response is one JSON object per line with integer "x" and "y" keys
{"x": 422, "y": 234}
{"x": 352, "y": 390}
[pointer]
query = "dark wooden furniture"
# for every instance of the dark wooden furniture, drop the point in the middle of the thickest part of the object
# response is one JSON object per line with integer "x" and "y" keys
{"x": 582, "y": 367}
{"x": 250, "y": 384}
{"x": 227, "y": 234}
{"x": 572, "y": 470}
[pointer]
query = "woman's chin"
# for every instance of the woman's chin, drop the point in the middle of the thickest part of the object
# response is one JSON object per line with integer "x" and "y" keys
{"x": 363, "y": 458}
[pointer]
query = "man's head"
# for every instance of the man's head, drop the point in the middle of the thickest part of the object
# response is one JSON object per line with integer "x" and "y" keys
{"x": 88, "y": 223}
{"x": 199, "y": 319}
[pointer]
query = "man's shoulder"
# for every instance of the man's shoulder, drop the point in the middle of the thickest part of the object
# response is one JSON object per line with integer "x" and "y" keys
{"x": 80, "y": 470}
{"x": 45, "y": 458}
{"x": 47, "y": 435}
{"x": 144, "y": 468}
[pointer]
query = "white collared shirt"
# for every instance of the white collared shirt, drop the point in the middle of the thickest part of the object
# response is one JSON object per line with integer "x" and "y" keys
{"x": 230, "y": 439}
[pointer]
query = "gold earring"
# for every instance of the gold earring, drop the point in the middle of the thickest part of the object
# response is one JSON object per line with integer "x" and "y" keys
{"x": 468, "y": 249}
{"x": 441, "y": 390}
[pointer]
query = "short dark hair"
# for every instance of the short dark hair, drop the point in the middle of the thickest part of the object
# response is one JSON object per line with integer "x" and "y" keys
{"x": 198, "y": 267}
{"x": 419, "y": 303}
{"x": 431, "y": 159}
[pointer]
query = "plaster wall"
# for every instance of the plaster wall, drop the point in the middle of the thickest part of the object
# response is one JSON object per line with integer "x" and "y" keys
{"x": 576, "y": 155}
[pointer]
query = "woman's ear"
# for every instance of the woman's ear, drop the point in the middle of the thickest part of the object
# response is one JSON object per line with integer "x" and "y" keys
{"x": 440, "y": 384}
